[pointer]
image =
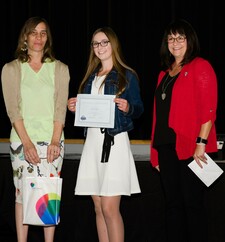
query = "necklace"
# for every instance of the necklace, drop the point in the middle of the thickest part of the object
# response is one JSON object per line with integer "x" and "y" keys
{"x": 164, "y": 85}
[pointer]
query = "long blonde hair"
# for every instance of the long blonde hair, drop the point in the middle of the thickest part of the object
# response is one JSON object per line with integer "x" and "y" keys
{"x": 117, "y": 57}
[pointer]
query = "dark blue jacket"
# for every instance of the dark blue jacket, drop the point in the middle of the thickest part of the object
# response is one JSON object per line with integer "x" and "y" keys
{"x": 123, "y": 121}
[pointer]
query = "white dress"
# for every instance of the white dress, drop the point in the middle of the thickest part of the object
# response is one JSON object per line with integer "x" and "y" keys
{"x": 118, "y": 176}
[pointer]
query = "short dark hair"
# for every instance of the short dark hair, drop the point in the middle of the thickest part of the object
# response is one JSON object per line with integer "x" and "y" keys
{"x": 184, "y": 28}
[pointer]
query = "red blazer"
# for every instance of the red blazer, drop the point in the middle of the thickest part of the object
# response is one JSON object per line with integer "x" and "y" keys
{"x": 193, "y": 103}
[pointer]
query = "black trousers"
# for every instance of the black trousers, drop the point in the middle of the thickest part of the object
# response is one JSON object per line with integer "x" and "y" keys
{"x": 186, "y": 219}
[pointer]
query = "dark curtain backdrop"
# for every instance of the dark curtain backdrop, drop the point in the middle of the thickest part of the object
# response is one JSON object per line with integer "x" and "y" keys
{"x": 139, "y": 25}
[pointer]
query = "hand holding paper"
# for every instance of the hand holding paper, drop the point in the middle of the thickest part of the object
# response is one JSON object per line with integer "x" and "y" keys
{"x": 209, "y": 173}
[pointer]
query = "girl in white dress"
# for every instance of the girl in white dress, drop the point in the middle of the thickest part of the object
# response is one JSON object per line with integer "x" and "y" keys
{"x": 107, "y": 168}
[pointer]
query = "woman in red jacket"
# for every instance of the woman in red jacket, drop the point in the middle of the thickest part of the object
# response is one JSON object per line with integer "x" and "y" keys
{"x": 183, "y": 129}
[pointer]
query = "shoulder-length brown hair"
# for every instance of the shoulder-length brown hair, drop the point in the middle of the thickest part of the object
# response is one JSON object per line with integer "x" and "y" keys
{"x": 21, "y": 50}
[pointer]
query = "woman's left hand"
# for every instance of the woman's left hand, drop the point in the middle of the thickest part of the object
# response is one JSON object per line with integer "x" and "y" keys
{"x": 53, "y": 152}
{"x": 122, "y": 104}
{"x": 199, "y": 154}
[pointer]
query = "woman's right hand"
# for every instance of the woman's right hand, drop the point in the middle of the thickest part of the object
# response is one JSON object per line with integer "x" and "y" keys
{"x": 71, "y": 104}
{"x": 31, "y": 154}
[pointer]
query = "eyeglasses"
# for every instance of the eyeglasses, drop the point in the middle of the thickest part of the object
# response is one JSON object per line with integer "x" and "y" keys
{"x": 179, "y": 39}
{"x": 103, "y": 43}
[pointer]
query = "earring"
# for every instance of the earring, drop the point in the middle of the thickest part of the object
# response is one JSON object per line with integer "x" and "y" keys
{"x": 24, "y": 48}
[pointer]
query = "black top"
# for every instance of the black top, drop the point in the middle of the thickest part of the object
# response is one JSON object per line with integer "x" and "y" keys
{"x": 163, "y": 134}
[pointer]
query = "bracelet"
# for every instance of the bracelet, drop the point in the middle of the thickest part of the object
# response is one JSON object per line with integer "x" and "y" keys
{"x": 201, "y": 140}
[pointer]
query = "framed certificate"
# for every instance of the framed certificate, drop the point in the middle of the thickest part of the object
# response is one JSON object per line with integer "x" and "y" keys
{"x": 95, "y": 111}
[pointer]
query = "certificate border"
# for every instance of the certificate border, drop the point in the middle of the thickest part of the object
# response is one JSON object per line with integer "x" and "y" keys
{"x": 84, "y": 123}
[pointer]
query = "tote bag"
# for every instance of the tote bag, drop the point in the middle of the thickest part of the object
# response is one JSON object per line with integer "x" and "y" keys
{"x": 41, "y": 200}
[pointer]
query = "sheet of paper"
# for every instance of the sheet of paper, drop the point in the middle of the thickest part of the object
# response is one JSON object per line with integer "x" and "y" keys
{"x": 95, "y": 111}
{"x": 209, "y": 173}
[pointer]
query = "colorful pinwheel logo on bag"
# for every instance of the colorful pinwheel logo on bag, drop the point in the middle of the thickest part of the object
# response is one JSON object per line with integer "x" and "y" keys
{"x": 47, "y": 208}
